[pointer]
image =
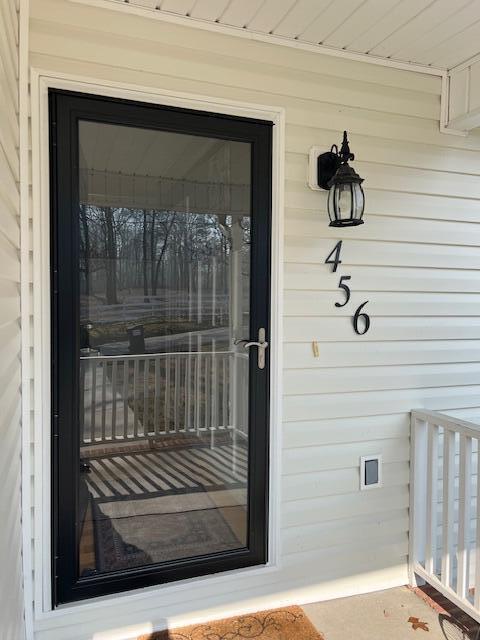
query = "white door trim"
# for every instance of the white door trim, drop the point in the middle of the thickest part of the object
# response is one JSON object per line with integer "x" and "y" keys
{"x": 41, "y": 81}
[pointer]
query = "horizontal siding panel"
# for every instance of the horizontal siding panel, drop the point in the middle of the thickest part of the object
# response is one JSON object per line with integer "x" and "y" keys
{"x": 8, "y": 141}
{"x": 385, "y": 228}
{"x": 9, "y": 333}
{"x": 387, "y": 202}
{"x": 340, "y": 329}
{"x": 374, "y": 529}
{"x": 9, "y": 112}
{"x": 426, "y": 206}
{"x": 9, "y": 230}
{"x": 397, "y": 178}
{"x": 349, "y": 405}
{"x": 10, "y": 363}
{"x": 336, "y": 456}
{"x": 9, "y": 89}
{"x": 299, "y": 196}
{"x": 316, "y": 276}
{"x": 9, "y": 18}
{"x": 314, "y": 381}
{"x": 85, "y": 44}
{"x": 10, "y": 310}
{"x": 9, "y": 260}
{"x": 333, "y": 508}
{"x": 394, "y": 127}
{"x": 370, "y": 428}
{"x": 381, "y": 303}
{"x": 332, "y": 482}
{"x": 7, "y": 42}
{"x": 9, "y": 191}
{"x": 337, "y": 561}
{"x": 10, "y": 414}
{"x": 380, "y": 150}
{"x": 384, "y": 253}
{"x": 354, "y": 354}
{"x": 414, "y": 180}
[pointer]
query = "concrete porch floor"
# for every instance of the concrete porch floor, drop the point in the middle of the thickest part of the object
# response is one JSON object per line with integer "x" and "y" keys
{"x": 384, "y": 616}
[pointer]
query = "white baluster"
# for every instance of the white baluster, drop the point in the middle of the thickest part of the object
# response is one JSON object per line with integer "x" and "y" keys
{"x": 93, "y": 406}
{"x": 476, "y": 597}
{"x": 104, "y": 398}
{"x": 432, "y": 498}
{"x": 156, "y": 426}
{"x": 114, "y": 398}
{"x": 448, "y": 504}
{"x": 126, "y": 375}
{"x": 464, "y": 500}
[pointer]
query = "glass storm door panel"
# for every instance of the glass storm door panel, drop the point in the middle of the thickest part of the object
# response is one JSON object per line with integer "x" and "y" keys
{"x": 160, "y": 282}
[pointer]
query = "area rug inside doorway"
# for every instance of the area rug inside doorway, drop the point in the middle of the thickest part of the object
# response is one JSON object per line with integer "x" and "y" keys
{"x": 130, "y": 538}
{"x": 289, "y": 623}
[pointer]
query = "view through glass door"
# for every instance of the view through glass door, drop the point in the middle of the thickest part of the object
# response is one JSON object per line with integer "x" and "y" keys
{"x": 160, "y": 249}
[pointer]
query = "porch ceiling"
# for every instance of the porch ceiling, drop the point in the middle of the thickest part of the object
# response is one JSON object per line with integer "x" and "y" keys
{"x": 437, "y": 33}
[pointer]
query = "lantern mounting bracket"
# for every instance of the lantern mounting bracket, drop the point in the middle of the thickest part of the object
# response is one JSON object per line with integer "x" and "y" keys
{"x": 328, "y": 163}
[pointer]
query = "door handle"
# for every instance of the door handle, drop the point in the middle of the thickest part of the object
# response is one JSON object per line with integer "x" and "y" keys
{"x": 261, "y": 345}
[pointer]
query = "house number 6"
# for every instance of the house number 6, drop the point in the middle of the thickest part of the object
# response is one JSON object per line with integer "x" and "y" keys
{"x": 360, "y": 319}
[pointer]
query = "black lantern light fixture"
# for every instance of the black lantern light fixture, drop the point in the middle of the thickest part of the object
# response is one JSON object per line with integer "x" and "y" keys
{"x": 346, "y": 200}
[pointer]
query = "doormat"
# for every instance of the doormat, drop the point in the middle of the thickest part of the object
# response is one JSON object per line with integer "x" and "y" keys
{"x": 289, "y": 623}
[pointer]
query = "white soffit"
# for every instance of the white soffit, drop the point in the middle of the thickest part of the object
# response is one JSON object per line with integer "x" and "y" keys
{"x": 440, "y": 34}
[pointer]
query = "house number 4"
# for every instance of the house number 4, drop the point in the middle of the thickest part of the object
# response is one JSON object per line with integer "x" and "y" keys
{"x": 360, "y": 319}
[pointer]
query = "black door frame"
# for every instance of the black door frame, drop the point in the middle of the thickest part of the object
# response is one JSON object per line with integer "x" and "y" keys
{"x": 65, "y": 110}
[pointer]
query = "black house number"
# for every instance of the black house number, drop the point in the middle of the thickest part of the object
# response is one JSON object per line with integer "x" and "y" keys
{"x": 360, "y": 319}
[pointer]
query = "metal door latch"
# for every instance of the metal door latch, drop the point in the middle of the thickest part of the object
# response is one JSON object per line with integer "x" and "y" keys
{"x": 261, "y": 345}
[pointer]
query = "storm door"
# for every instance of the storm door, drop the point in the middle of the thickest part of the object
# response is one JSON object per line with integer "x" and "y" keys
{"x": 160, "y": 255}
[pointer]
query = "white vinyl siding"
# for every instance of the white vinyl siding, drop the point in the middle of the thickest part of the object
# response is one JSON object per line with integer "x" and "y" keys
{"x": 11, "y": 596}
{"x": 416, "y": 260}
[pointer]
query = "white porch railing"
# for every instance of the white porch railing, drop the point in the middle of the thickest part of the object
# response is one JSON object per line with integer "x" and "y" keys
{"x": 445, "y": 507}
{"x": 127, "y": 398}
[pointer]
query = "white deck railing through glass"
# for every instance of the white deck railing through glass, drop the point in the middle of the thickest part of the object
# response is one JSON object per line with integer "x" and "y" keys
{"x": 127, "y": 398}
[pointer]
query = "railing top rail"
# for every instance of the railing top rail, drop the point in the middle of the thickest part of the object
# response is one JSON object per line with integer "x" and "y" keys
{"x": 448, "y": 422}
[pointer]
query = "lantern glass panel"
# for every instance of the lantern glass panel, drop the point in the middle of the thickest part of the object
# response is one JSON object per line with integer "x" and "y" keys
{"x": 331, "y": 205}
{"x": 344, "y": 201}
{"x": 358, "y": 201}
{"x": 340, "y": 202}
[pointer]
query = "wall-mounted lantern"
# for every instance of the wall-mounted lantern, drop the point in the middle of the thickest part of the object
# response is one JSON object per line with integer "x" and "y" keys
{"x": 346, "y": 200}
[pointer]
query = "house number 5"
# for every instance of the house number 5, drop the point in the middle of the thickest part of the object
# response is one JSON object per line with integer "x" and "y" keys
{"x": 346, "y": 288}
{"x": 360, "y": 319}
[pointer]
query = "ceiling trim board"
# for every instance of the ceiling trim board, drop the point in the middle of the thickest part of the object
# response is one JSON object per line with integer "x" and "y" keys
{"x": 466, "y": 63}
